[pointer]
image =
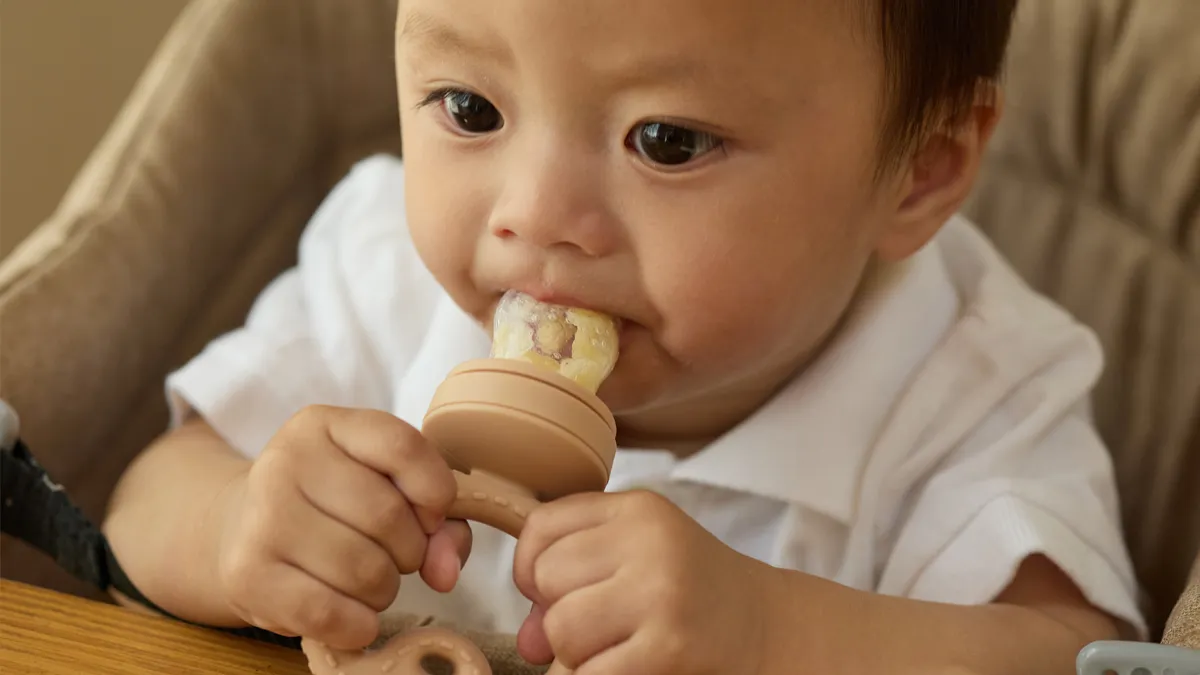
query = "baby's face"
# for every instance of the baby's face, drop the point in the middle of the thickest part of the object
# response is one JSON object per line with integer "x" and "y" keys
{"x": 701, "y": 169}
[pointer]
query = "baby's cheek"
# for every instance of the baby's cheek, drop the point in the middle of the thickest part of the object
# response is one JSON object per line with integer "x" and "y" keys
{"x": 728, "y": 333}
{"x": 444, "y": 227}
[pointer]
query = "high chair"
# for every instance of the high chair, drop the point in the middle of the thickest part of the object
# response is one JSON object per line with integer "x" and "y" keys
{"x": 253, "y": 109}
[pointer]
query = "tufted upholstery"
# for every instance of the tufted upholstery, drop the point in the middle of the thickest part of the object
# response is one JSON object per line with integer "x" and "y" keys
{"x": 193, "y": 201}
{"x": 1092, "y": 189}
{"x": 253, "y": 109}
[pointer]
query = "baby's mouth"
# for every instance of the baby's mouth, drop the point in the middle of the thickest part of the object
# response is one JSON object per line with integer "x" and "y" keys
{"x": 580, "y": 344}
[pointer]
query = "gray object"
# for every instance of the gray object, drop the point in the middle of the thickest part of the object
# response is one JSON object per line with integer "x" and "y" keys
{"x": 1115, "y": 657}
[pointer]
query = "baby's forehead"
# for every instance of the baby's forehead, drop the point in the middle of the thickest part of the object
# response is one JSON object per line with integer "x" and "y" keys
{"x": 681, "y": 40}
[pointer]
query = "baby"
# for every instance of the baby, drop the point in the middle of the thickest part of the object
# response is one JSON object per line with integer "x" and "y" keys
{"x": 851, "y": 439}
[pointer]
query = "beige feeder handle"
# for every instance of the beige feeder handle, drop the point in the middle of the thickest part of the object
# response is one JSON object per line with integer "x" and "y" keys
{"x": 495, "y": 503}
{"x": 483, "y": 499}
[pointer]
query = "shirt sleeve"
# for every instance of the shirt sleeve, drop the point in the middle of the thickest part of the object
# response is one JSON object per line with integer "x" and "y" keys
{"x": 1011, "y": 491}
{"x": 304, "y": 341}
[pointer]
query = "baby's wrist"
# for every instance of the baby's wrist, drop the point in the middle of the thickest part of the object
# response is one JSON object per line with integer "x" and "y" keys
{"x": 774, "y": 628}
{"x": 220, "y": 520}
{"x": 806, "y": 621}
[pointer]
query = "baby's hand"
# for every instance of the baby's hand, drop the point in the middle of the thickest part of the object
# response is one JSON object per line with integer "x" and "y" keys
{"x": 338, "y": 506}
{"x": 628, "y": 583}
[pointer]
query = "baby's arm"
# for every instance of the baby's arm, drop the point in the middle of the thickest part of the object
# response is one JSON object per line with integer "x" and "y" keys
{"x": 1002, "y": 553}
{"x": 310, "y": 539}
{"x": 1037, "y": 625}
{"x": 208, "y": 515}
{"x": 166, "y": 518}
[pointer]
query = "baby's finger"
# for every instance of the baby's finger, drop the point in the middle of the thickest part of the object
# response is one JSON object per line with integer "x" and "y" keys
{"x": 550, "y": 522}
{"x": 577, "y": 560}
{"x": 591, "y": 620}
{"x": 368, "y": 502}
{"x": 393, "y": 447}
{"x": 338, "y": 556}
{"x": 292, "y": 602}
{"x": 448, "y": 551}
{"x": 637, "y": 654}
{"x": 532, "y": 644}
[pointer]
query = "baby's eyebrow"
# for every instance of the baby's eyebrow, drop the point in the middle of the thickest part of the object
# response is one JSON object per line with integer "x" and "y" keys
{"x": 426, "y": 31}
{"x": 656, "y": 70}
{"x": 430, "y": 34}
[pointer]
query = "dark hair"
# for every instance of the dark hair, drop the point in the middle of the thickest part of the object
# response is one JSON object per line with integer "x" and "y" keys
{"x": 936, "y": 53}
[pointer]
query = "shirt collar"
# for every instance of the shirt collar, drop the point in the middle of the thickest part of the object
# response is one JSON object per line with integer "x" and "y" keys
{"x": 809, "y": 444}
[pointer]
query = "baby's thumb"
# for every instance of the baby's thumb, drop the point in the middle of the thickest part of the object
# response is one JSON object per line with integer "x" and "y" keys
{"x": 532, "y": 643}
{"x": 447, "y": 552}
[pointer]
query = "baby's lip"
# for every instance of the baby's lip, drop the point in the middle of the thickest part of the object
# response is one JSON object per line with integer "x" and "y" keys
{"x": 554, "y": 297}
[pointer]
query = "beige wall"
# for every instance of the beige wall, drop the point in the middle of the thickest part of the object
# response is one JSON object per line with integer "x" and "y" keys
{"x": 65, "y": 68}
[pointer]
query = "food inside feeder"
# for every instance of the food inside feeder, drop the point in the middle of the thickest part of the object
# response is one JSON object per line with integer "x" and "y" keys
{"x": 579, "y": 344}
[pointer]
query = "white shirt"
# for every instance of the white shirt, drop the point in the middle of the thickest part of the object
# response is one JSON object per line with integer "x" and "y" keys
{"x": 943, "y": 436}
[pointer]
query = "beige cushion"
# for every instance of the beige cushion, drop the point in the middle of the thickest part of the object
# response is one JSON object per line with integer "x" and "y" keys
{"x": 193, "y": 201}
{"x": 1183, "y": 626}
{"x": 1092, "y": 189}
{"x": 252, "y": 110}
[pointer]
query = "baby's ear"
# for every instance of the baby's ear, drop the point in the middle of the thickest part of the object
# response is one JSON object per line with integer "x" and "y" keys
{"x": 938, "y": 177}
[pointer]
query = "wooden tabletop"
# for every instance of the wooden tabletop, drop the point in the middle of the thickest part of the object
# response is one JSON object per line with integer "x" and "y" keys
{"x": 46, "y": 632}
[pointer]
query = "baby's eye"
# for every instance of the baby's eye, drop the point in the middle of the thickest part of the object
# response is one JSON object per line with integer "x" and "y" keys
{"x": 472, "y": 113}
{"x": 670, "y": 145}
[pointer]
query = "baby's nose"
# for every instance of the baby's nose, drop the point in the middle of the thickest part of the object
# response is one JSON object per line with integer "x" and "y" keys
{"x": 555, "y": 206}
{"x": 585, "y": 234}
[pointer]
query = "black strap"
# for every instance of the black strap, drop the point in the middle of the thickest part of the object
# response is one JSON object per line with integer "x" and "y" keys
{"x": 38, "y": 511}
